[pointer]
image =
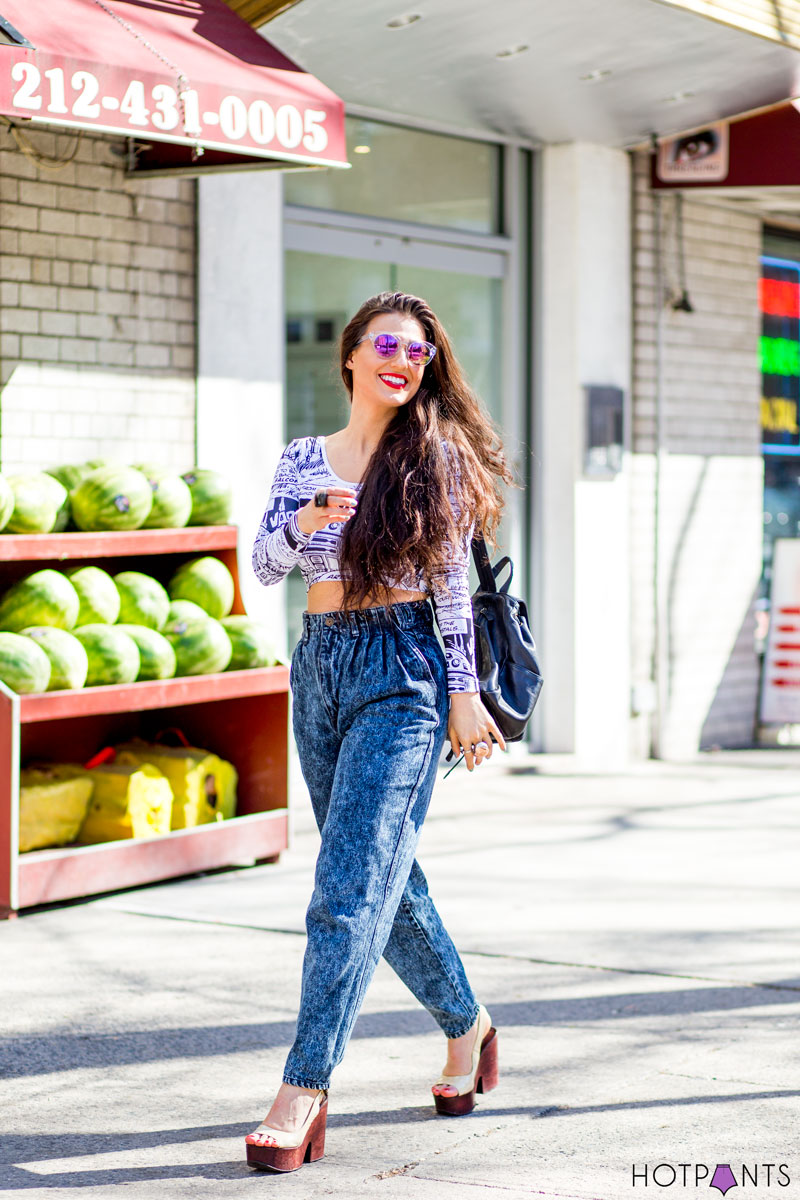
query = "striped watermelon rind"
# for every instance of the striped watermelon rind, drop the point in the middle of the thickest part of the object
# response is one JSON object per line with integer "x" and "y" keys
{"x": 24, "y": 666}
{"x": 143, "y": 600}
{"x": 157, "y": 657}
{"x": 205, "y": 581}
{"x": 111, "y": 497}
{"x": 97, "y": 593}
{"x": 6, "y": 501}
{"x": 172, "y": 499}
{"x": 69, "y": 663}
{"x": 184, "y": 610}
{"x": 113, "y": 656}
{"x": 202, "y": 647}
{"x": 212, "y": 498}
{"x": 250, "y": 642}
{"x": 44, "y": 598}
{"x": 38, "y": 503}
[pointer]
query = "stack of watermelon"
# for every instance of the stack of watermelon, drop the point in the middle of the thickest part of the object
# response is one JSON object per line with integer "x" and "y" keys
{"x": 101, "y": 495}
{"x": 81, "y": 627}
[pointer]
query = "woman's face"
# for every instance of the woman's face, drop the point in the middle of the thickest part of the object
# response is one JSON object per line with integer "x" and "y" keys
{"x": 388, "y": 382}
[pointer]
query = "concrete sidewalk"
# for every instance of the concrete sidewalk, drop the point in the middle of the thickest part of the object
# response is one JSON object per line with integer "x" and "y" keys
{"x": 635, "y": 937}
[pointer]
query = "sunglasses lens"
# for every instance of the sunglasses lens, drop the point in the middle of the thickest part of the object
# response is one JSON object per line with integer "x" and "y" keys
{"x": 386, "y": 345}
{"x": 419, "y": 353}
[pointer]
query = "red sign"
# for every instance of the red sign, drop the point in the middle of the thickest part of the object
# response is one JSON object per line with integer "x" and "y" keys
{"x": 180, "y": 71}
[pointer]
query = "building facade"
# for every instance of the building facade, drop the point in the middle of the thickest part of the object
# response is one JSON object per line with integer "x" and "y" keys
{"x": 195, "y": 320}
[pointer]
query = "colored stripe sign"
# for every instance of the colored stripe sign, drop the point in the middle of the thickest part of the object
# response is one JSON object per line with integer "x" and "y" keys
{"x": 779, "y": 301}
{"x": 780, "y": 681}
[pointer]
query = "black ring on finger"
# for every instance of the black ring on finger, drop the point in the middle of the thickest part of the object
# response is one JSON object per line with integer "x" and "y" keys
{"x": 320, "y": 498}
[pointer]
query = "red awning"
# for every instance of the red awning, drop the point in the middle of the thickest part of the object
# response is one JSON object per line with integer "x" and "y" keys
{"x": 759, "y": 149}
{"x": 189, "y": 80}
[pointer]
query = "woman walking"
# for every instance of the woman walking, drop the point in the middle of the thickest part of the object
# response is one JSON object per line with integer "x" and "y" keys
{"x": 379, "y": 517}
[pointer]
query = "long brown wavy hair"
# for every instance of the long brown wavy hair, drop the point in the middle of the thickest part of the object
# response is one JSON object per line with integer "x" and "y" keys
{"x": 435, "y": 470}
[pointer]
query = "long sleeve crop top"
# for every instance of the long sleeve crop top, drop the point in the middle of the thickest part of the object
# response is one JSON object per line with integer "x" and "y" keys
{"x": 281, "y": 545}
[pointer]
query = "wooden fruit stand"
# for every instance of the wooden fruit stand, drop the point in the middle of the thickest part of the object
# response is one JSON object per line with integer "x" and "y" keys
{"x": 240, "y": 715}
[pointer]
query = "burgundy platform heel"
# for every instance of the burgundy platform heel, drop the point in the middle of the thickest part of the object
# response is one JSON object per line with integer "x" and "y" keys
{"x": 482, "y": 1078}
{"x": 291, "y": 1149}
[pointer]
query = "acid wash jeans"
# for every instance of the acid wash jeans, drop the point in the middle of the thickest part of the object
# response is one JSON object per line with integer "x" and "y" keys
{"x": 370, "y": 720}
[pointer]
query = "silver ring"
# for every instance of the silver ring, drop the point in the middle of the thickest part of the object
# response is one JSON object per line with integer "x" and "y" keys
{"x": 480, "y": 746}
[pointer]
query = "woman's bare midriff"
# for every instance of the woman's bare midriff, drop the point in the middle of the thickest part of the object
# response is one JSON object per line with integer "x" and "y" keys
{"x": 329, "y": 596}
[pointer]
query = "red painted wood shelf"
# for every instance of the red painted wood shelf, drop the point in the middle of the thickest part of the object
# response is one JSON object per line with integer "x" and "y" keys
{"x": 240, "y": 715}
{"x": 61, "y": 547}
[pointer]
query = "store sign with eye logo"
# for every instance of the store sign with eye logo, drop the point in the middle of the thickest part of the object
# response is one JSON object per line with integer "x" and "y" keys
{"x": 779, "y": 300}
{"x": 699, "y": 157}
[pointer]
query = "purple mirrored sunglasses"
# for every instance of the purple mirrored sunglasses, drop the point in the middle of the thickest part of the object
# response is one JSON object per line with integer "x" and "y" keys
{"x": 386, "y": 345}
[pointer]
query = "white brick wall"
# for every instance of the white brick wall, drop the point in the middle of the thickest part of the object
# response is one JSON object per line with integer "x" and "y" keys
{"x": 712, "y": 487}
{"x": 97, "y": 310}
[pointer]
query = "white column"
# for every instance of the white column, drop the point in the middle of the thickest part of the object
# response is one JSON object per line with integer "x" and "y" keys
{"x": 241, "y": 355}
{"x": 583, "y": 332}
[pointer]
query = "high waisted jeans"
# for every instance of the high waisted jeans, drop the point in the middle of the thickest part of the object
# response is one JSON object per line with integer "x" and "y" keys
{"x": 370, "y": 720}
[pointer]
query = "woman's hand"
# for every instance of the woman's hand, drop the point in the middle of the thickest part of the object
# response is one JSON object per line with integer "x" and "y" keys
{"x": 340, "y": 507}
{"x": 468, "y": 725}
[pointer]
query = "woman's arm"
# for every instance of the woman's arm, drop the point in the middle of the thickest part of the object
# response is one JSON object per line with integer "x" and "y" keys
{"x": 286, "y": 527}
{"x": 280, "y": 541}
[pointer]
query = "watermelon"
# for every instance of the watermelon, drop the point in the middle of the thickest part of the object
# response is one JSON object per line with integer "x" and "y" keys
{"x": 97, "y": 593}
{"x": 38, "y": 503}
{"x": 201, "y": 647}
{"x": 172, "y": 500}
{"x": 24, "y": 666}
{"x": 207, "y": 582}
{"x": 70, "y": 474}
{"x": 69, "y": 664}
{"x": 211, "y": 497}
{"x": 157, "y": 658}
{"x": 6, "y": 501}
{"x": 111, "y": 498}
{"x": 180, "y": 610}
{"x": 113, "y": 656}
{"x": 251, "y": 644}
{"x": 44, "y": 598}
{"x": 143, "y": 600}
{"x": 60, "y": 497}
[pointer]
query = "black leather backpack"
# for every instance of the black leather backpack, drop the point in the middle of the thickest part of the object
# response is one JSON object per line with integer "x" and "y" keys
{"x": 505, "y": 652}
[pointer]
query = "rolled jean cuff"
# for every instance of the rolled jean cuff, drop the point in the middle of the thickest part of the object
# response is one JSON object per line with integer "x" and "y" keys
{"x": 296, "y": 1081}
{"x": 460, "y": 1030}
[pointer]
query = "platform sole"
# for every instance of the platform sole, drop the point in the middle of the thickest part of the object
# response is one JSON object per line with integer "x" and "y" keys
{"x": 486, "y": 1077}
{"x": 283, "y": 1159}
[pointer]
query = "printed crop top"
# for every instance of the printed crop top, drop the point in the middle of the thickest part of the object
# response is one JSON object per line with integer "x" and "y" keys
{"x": 281, "y": 544}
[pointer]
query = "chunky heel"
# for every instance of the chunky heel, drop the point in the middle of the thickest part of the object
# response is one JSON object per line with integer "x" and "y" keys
{"x": 309, "y": 1148}
{"x": 482, "y": 1078}
{"x": 488, "y": 1070}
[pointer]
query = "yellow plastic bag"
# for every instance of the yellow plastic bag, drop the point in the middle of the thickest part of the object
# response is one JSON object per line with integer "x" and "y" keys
{"x": 204, "y": 785}
{"x": 52, "y": 805}
{"x": 129, "y": 801}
